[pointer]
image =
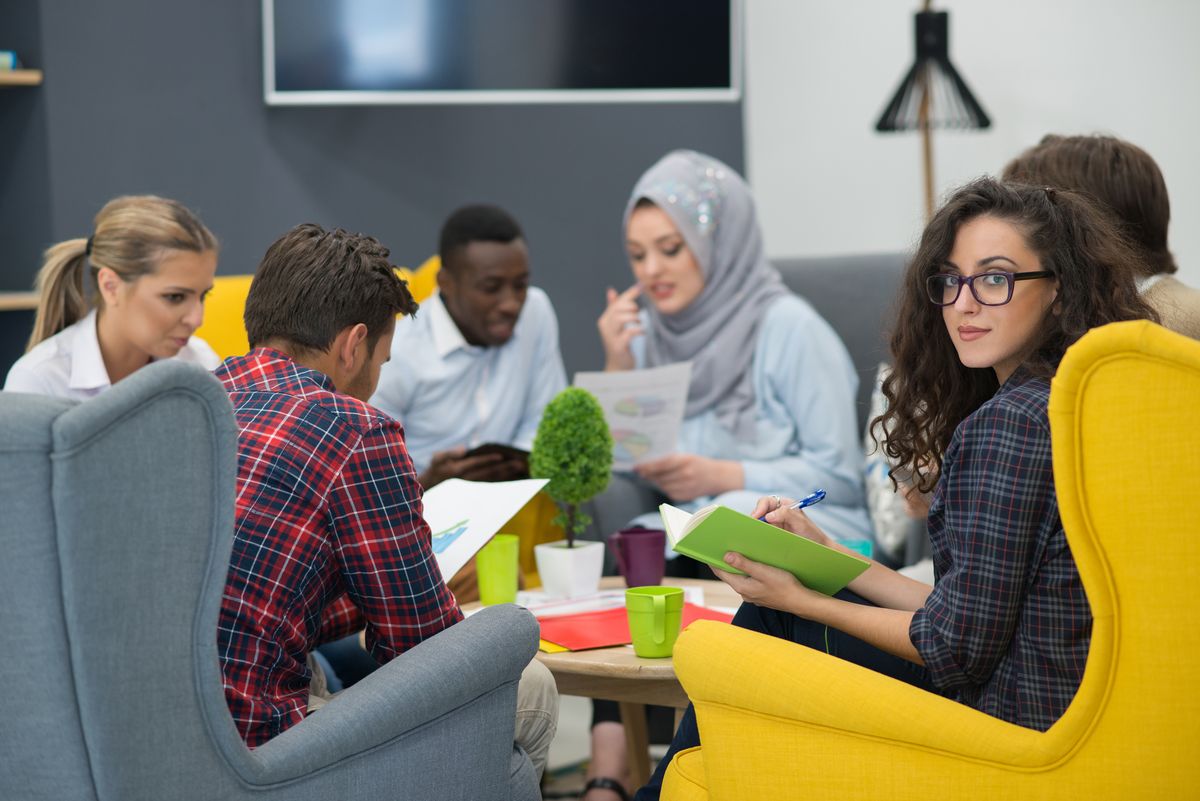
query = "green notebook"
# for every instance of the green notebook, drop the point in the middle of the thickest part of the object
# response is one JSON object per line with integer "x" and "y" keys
{"x": 713, "y": 531}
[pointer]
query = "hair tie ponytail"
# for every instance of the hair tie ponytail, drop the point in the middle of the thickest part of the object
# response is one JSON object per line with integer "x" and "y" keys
{"x": 138, "y": 229}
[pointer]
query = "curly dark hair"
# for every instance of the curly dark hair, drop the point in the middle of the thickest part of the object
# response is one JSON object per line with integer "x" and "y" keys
{"x": 929, "y": 391}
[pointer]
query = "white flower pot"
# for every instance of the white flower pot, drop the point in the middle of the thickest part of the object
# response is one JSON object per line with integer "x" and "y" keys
{"x": 570, "y": 572}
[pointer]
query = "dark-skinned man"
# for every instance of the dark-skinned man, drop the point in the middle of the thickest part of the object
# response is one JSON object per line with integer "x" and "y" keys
{"x": 480, "y": 361}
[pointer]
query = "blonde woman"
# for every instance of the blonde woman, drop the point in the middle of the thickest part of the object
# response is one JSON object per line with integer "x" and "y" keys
{"x": 151, "y": 263}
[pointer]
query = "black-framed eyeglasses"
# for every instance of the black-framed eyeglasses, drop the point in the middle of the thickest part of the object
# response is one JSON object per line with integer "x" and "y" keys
{"x": 993, "y": 288}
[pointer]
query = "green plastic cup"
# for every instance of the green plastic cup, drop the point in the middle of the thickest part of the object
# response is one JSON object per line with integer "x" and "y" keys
{"x": 655, "y": 614}
{"x": 496, "y": 566}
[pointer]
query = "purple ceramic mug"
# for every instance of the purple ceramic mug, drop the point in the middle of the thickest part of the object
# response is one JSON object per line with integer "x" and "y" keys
{"x": 640, "y": 555}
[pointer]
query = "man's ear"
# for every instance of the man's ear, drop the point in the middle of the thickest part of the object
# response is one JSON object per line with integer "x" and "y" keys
{"x": 346, "y": 345}
{"x": 445, "y": 280}
{"x": 108, "y": 283}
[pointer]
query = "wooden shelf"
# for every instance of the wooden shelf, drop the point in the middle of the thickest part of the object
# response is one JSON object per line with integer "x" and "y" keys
{"x": 18, "y": 301}
{"x": 20, "y": 77}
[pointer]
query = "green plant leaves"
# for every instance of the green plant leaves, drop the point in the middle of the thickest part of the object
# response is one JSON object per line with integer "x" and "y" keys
{"x": 573, "y": 448}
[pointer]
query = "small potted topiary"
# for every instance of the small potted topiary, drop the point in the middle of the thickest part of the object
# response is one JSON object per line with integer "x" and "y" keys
{"x": 573, "y": 448}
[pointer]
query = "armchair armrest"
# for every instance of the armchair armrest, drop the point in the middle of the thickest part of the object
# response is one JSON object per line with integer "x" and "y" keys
{"x": 455, "y": 667}
{"x": 734, "y": 668}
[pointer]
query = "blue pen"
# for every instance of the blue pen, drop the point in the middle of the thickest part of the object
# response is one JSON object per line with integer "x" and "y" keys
{"x": 816, "y": 497}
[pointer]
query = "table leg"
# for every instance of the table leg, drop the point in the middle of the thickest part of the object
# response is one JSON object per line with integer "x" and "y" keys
{"x": 637, "y": 741}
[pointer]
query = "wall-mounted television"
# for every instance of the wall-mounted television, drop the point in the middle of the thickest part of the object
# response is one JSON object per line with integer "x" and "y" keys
{"x": 363, "y": 52}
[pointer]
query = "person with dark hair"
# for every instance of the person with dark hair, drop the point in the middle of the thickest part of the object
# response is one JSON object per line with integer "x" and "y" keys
{"x": 1005, "y": 279}
{"x": 1123, "y": 177}
{"x": 482, "y": 361}
{"x": 329, "y": 537}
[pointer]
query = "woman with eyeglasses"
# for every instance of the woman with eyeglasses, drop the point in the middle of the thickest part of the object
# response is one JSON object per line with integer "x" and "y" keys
{"x": 1005, "y": 278}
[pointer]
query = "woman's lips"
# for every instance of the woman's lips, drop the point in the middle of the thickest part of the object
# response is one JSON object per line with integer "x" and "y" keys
{"x": 661, "y": 291}
{"x": 968, "y": 333}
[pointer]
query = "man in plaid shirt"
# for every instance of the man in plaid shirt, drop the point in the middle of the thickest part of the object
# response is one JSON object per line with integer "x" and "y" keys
{"x": 329, "y": 536}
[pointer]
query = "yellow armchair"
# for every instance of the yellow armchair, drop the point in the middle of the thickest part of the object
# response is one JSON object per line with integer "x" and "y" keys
{"x": 778, "y": 720}
{"x": 225, "y": 331}
{"x": 223, "y": 328}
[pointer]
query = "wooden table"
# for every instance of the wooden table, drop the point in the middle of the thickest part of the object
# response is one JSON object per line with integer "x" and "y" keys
{"x": 617, "y": 674}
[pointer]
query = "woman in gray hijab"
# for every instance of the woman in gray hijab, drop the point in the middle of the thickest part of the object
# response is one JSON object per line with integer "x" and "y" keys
{"x": 770, "y": 406}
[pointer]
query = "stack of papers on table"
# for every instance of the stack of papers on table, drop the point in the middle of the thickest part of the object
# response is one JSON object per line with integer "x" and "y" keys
{"x": 605, "y": 628}
{"x": 598, "y": 620}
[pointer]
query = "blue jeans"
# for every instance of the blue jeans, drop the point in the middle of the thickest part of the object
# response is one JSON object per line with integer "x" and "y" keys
{"x": 804, "y": 632}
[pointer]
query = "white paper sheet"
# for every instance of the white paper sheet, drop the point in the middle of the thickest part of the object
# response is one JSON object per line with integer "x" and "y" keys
{"x": 542, "y": 604}
{"x": 464, "y": 515}
{"x": 644, "y": 409}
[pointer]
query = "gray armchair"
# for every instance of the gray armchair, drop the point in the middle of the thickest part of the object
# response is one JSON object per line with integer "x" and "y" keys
{"x": 116, "y": 519}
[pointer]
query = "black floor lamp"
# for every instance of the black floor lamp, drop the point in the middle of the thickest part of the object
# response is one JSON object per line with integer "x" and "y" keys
{"x": 932, "y": 94}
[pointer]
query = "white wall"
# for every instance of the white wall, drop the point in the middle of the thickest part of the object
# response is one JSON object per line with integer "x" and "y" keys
{"x": 819, "y": 73}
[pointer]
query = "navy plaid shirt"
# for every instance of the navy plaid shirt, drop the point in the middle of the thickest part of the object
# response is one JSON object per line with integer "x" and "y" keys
{"x": 1007, "y": 626}
{"x": 329, "y": 538}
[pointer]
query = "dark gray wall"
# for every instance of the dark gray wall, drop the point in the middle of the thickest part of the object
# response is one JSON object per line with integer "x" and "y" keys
{"x": 24, "y": 149}
{"x": 166, "y": 97}
{"x": 24, "y": 166}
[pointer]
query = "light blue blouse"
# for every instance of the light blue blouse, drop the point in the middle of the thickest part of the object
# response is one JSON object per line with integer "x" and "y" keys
{"x": 806, "y": 434}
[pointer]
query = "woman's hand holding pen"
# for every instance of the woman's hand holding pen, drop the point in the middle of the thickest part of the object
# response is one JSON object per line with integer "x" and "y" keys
{"x": 764, "y": 585}
{"x": 618, "y": 325}
{"x": 778, "y": 512}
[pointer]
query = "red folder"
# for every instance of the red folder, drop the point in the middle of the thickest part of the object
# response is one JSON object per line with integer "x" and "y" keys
{"x": 609, "y": 627}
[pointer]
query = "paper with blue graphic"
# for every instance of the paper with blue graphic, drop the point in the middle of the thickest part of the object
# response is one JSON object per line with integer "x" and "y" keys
{"x": 464, "y": 515}
{"x": 644, "y": 409}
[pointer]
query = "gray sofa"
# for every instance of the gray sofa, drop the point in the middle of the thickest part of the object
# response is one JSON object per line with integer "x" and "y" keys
{"x": 856, "y": 295}
{"x": 116, "y": 528}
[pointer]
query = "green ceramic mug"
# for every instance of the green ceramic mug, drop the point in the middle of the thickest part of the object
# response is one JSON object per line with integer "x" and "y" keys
{"x": 654, "y": 617}
{"x": 496, "y": 566}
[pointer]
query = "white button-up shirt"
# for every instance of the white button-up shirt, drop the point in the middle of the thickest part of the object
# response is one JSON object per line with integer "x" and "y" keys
{"x": 69, "y": 364}
{"x": 449, "y": 393}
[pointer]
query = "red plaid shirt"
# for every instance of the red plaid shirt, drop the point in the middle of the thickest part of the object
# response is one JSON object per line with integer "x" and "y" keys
{"x": 329, "y": 538}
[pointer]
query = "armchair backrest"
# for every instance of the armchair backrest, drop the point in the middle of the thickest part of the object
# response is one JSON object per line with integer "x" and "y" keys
{"x": 1126, "y": 449}
{"x": 41, "y": 738}
{"x": 117, "y": 524}
{"x": 856, "y": 295}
